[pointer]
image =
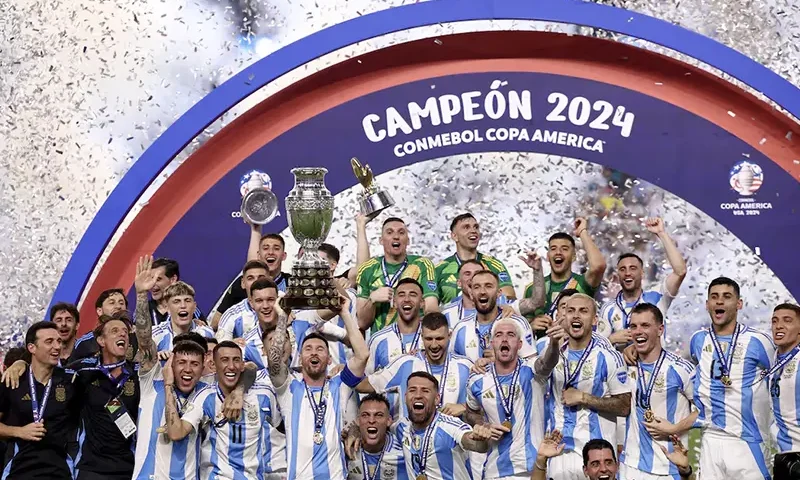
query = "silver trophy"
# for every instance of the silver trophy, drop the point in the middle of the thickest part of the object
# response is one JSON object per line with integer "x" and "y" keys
{"x": 259, "y": 204}
{"x": 373, "y": 200}
{"x": 309, "y": 208}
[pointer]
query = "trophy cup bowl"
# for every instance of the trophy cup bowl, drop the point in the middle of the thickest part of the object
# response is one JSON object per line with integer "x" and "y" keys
{"x": 309, "y": 211}
{"x": 373, "y": 200}
{"x": 259, "y": 204}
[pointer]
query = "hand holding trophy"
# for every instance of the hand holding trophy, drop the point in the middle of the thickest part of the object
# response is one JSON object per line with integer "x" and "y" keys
{"x": 373, "y": 200}
{"x": 259, "y": 204}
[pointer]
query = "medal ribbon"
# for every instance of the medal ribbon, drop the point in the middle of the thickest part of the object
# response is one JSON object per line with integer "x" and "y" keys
{"x": 221, "y": 397}
{"x": 778, "y": 366}
{"x": 483, "y": 340}
{"x": 508, "y": 403}
{"x": 106, "y": 369}
{"x": 318, "y": 408}
{"x": 570, "y": 378}
{"x": 426, "y": 443}
{"x": 626, "y": 314}
{"x": 726, "y": 362}
{"x": 365, "y": 464}
{"x": 38, "y": 411}
{"x": 444, "y": 374}
{"x": 414, "y": 342}
{"x": 571, "y": 284}
{"x": 646, "y": 390}
{"x": 389, "y": 282}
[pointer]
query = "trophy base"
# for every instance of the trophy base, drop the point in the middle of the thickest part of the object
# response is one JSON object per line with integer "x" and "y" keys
{"x": 310, "y": 288}
{"x": 373, "y": 204}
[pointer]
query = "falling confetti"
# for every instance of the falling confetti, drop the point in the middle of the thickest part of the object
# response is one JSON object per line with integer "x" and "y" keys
{"x": 88, "y": 86}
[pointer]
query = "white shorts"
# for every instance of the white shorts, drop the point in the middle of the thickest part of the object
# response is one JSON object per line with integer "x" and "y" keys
{"x": 567, "y": 466}
{"x": 630, "y": 473}
{"x": 725, "y": 457}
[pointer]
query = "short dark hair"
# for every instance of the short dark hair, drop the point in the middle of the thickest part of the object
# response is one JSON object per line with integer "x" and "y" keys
{"x": 189, "y": 347}
{"x": 788, "y": 306}
{"x": 262, "y": 284}
{"x": 566, "y": 293}
{"x": 14, "y": 354}
{"x": 66, "y": 307}
{"x": 724, "y": 281}
{"x": 649, "y": 307}
{"x": 390, "y": 220}
{"x": 561, "y": 236}
{"x": 211, "y": 340}
{"x": 471, "y": 261}
{"x": 226, "y": 344}
{"x": 487, "y": 272}
{"x": 424, "y": 374}
{"x": 630, "y": 255}
{"x": 191, "y": 337}
{"x": 331, "y": 251}
{"x": 253, "y": 264}
{"x": 597, "y": 444}
{"x": 463, "y": 216}
{"x": 107, "y": 293}
{"x": 375, "y": 397}
{"x": 434, "y": 321}
{"x": 30, "y": 335}
{"x": 273, "y": 236}
{"x": 171, "y": 268}
{"x": 406, "y": 281}
{"x": 312, "y": 336}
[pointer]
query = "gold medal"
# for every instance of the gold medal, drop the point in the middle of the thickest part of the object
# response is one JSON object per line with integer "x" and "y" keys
{"x": 161, "y": 429}
{"x": 507, "y": 424}
{"x": 422, "y": 476}
{"x": 318, "y": 438}
{"x": 726, "y": 380}
{"x": 649, "y": 416}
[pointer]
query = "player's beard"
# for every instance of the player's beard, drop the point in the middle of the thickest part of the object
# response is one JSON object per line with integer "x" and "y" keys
{"x": 489, "y": 306}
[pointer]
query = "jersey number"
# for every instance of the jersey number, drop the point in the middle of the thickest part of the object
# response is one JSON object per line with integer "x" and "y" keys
{"x": 237, "y": 433}
{"x": 716, "y": 370}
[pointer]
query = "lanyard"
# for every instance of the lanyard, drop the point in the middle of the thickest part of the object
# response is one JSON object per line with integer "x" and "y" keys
{"x": 570, "y": 378}
{"x": 390, "y": 281}
{"x": 778, "y": 366}
{"x": 443, "y": 378}
{"x": 414, "y": 342}
{"x": 318, "y": 408}
{"x": 626, "y": 314}
{"x": 645, "y": 390}
{"x": 725, "y": 361}
{"x": 483, "y": 340}
{"x": 554, "y": 306}
{"x": 365, "y": 464}
{"x": 426, "y": 444}
{"x": 38, "y": 411}
{"x": 508, "y": 402}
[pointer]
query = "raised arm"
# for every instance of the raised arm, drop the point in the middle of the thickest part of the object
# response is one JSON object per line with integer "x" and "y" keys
{"x": 597, "y": 263}
{"x": 656, "y": 225}
{"x": 362, "y": 247}
{"x": 177, "y": 429}
{"x": 255, "y": 241}
{"x": 358, "y": 362}
{"x": 527, "y": 306}
{"x": 548, "y": 361}
{"x": 277, "y": 368}
{"x": 144, "y": 281}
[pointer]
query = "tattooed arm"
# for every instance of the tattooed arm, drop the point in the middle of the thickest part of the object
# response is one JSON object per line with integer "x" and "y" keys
{"x": 617, "y": 405}
{"x": 528, "y": 306}
{"x": 548, "y": 361}
{"x": 144, "y": 281}
{"x": 277, "y": 368}
{"x": 177, "y": 428}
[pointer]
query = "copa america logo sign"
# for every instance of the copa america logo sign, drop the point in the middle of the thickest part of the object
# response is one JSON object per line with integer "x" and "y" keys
{"x": 746, "y": 178}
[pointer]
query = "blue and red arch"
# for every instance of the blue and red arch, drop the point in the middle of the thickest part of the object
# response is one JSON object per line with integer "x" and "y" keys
{"x": 274, "y": 135}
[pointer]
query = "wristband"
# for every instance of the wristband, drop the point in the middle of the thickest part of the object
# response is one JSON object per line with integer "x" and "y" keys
{"x": 540, "y": 467}
{"x": 348, "y": 378}
{"x": 687, "y": 474}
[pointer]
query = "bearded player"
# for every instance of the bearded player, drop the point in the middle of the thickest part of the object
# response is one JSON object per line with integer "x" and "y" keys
{"x": 615, "y": 315}
{"x": 734, "y": 406}
{"x": 378, "y": 277}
